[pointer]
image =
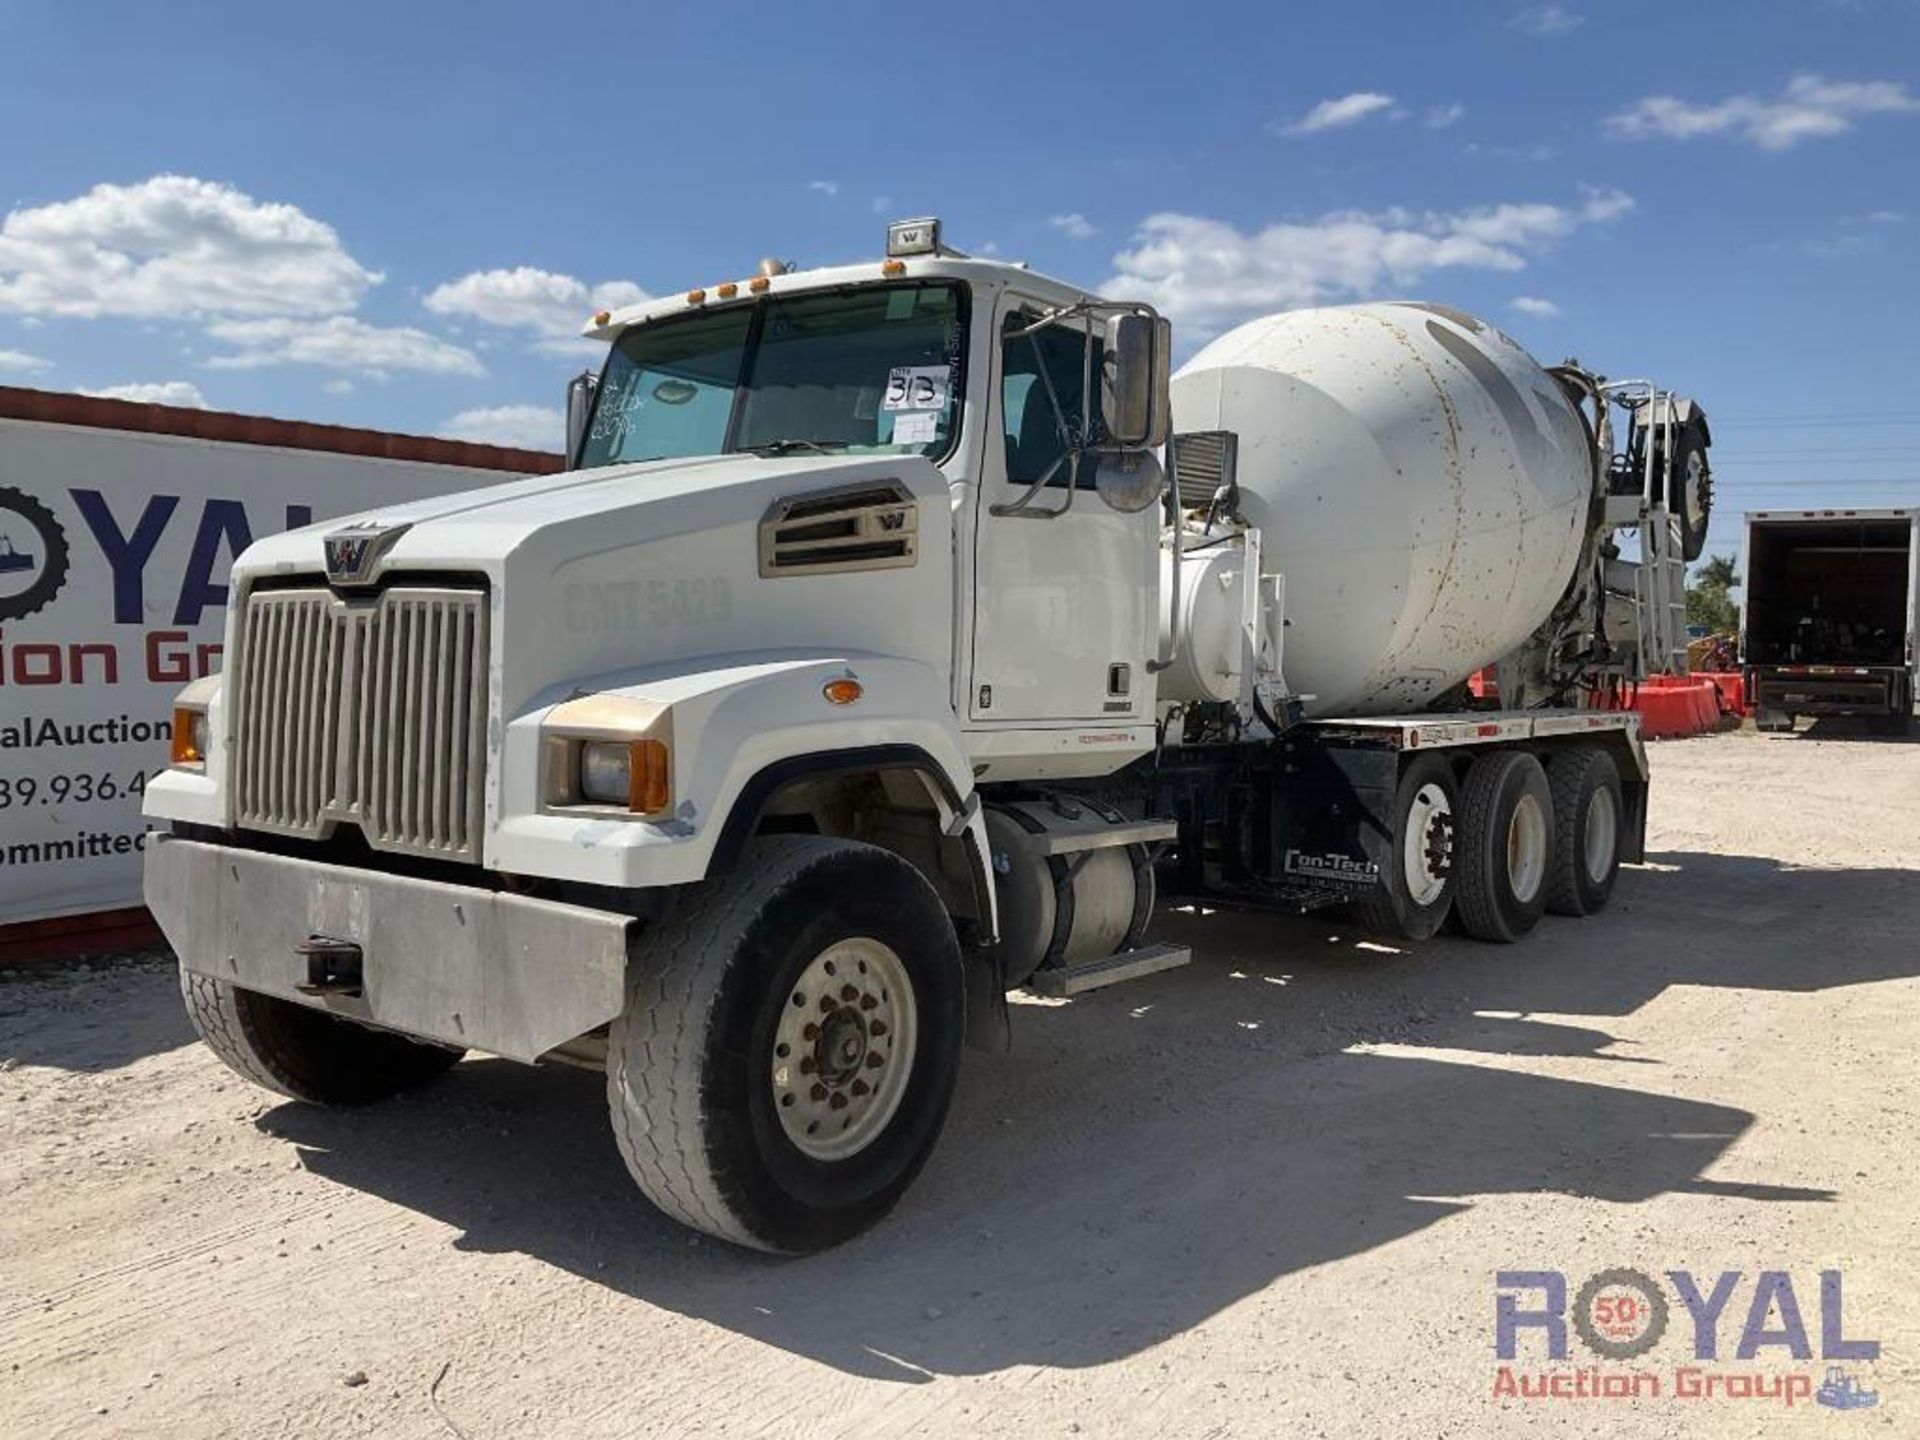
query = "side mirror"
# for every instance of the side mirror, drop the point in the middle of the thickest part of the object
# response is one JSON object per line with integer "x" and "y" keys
{"x": 580, "y": 395}
{"x": 1134, "y": 376}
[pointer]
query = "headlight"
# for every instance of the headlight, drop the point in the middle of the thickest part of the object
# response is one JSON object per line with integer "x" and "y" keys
{"x": 608, "y": 753}
{"x": 606, "y": 772}
{"x": 189, "y": 745}
{"x": 634, "y": 774}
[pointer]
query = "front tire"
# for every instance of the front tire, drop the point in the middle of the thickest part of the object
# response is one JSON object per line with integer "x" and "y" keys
{"x": 303, "y": 1053}
{"x": 1506, "y": 846}
{"x": 789, "y": 1046}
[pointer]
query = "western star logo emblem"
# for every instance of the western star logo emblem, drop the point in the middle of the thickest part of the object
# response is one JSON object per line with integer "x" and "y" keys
{"x": 352, "y": 553}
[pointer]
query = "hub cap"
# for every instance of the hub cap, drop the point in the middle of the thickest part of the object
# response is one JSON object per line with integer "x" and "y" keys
{"x": 1427, "y": 847}
{"x": 1601, "y": 838}
{"x": 1526, "y": 848}
{"x": 843, "y": 1049}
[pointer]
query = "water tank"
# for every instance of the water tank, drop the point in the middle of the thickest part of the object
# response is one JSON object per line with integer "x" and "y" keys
{"x": 1419, "y": 480}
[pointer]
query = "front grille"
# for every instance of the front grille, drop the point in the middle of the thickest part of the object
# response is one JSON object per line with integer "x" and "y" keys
{"x": 371, "y": 712}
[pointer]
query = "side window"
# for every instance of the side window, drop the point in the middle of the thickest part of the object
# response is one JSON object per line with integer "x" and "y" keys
{"x": 1033, "y": 431}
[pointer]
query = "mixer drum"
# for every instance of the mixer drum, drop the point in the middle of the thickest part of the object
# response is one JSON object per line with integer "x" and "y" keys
{"x": 1419, "y": 480}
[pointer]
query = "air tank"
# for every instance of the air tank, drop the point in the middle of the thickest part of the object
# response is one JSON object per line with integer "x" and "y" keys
{"x": 1419, "y": 480}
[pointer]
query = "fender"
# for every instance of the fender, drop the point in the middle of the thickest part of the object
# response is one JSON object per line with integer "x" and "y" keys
{"x": 731, "y": 723}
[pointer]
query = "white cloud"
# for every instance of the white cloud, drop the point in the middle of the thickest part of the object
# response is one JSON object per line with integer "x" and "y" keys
{"x": 1074, "y": 226}
{"x": 523, "y": 427}
{"x": 882, "y": 204}
{"x": 1547, "y": 21}
{"x": 341, "y": 386}
{"x": 1209, "y": 274}
{"x": 1533, "y": 305}
{"x": 1333, "y": 114}
{"x": 19, "y": 361}
{"x": 550, "y": 307}
{"x": 829, "y": 188}
{"x": 160, "y": 392}
{"x": 338, "y": 342}
{"x": 1441, "y": 117}
{"x": 174, "y": 247}
{"x": 1811, "y": 107}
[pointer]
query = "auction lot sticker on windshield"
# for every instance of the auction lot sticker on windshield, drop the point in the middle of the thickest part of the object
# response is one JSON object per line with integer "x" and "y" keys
{"x": 918, "y": 387}
{"x": 918, "y": 427}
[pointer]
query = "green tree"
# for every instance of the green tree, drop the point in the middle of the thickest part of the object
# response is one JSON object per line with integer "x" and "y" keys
{"x": 1708, "y": 603}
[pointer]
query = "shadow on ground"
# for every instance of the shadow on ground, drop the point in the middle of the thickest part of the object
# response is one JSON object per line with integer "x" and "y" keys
{"x": 1153, "y": 1153}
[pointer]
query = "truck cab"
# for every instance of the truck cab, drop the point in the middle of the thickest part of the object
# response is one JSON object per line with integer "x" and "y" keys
{"x": 835, "y": 547}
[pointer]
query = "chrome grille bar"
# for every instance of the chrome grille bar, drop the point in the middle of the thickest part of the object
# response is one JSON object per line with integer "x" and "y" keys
{"x": 369, "y": 712}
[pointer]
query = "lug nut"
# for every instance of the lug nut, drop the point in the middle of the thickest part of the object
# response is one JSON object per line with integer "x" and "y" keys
{"x": 875, "y": 1060}
{"x": 826, "y": 1004}
{"x": 867, "y": 1002}
{"x": 819, "y": 1092}
{"x": 860, "y": 1087}
{"x": 847, "y": 992}
{"x": 877, "y": 1029}
{"x": 810, "y": 1031}
{"x": 839, "y": 1101}
{"x": 806, "y": 1065}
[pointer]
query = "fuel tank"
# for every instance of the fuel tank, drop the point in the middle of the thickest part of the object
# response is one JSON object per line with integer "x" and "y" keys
{"x": 1421, "y": 482}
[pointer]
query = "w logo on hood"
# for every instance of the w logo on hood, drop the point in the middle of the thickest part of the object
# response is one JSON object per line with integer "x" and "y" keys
{"x": 352, "y": 553}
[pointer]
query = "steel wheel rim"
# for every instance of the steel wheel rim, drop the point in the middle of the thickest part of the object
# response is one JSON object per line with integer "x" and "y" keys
{"x": 1600, "y": 840}
{"x": 843, "y": 1049}
{"x": 1426, "y": 848}
{"x": 1526, "y": 848}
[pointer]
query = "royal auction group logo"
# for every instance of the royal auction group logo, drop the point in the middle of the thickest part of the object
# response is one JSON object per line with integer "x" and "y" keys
{"x": 33, "y": 555}
{"x": 1621, "y": 1317}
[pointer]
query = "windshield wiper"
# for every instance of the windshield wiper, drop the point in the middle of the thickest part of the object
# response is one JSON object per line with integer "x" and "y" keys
{"x": 787, "y": 447}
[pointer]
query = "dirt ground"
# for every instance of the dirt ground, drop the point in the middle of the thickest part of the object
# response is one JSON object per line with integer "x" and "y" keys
{"x": 1265, "y": 1195}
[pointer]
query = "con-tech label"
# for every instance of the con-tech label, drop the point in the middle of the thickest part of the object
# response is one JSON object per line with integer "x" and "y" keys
{"x": 1332, "y": 866}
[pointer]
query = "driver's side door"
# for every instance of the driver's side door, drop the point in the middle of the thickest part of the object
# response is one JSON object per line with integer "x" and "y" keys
{"x": 1064, "y": 608}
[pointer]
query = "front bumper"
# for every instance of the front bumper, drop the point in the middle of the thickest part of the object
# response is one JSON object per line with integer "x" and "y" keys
{"x": 453, "y": 963}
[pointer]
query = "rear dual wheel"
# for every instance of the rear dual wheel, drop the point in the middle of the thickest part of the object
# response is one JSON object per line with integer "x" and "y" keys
{"x": 1506, "y": 846}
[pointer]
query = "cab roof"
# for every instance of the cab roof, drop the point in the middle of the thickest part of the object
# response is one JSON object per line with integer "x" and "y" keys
{"x": 608, "y": 325}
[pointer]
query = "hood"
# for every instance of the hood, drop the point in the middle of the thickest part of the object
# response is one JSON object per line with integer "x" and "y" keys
{"x": 668, "y": 562}
{"x": 475, "y": 531}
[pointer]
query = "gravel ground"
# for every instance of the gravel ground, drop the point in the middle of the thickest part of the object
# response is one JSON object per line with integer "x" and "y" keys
{"x": 1264, "y": 1195}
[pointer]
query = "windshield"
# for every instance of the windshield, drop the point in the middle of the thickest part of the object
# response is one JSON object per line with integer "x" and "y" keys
{"x": 875, "y": 370}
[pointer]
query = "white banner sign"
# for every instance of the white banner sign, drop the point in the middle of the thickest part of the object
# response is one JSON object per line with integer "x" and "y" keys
{"x": 114, "y": 553}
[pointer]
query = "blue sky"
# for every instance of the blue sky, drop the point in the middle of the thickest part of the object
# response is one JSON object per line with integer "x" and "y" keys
{"x": 395, "y": 215}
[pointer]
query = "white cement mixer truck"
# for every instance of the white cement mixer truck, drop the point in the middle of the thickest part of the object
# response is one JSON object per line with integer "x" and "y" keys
{"x": 899, "y": 633}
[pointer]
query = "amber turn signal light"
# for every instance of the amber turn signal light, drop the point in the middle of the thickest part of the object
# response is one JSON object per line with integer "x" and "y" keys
{"x": 649, "y": 777}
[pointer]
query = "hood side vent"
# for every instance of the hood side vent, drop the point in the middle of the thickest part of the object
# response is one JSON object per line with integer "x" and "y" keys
{"x": 858, "y": 527}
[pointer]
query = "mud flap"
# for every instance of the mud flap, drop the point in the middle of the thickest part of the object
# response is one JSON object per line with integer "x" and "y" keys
{"x": 989, "y": 1018}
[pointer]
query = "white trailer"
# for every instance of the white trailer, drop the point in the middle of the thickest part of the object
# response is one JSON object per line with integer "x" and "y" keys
{"x": 1829, "y": 611}
{"x": 899, "y": 633}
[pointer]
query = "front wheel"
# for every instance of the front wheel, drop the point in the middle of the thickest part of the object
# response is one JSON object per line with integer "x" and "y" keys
{"x": 304, "y": 1053}
{"x": 789, "y": 1046}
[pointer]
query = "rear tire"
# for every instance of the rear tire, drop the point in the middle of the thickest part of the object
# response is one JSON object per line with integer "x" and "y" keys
{"x": 1588, "y": 822}
{"x": 1416, "y": 887}
{"x": 1505, "y": 849}
{"x": 303, "y": 1053}
{"x": 749, "y": 1088}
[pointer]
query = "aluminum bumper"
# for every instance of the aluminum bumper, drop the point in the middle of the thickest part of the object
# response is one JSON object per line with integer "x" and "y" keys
{"x": 464, "y": 966}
